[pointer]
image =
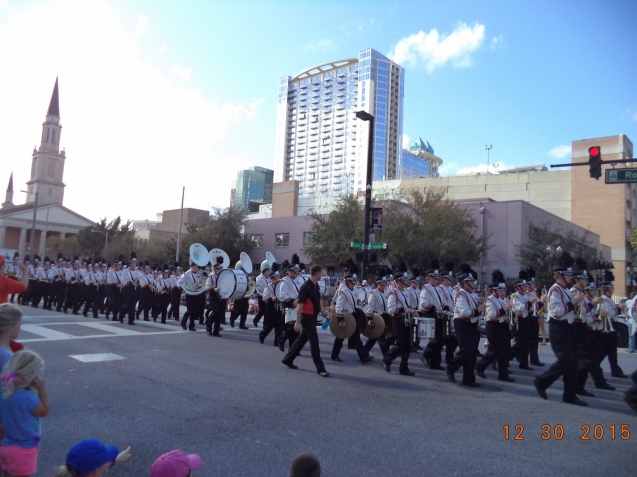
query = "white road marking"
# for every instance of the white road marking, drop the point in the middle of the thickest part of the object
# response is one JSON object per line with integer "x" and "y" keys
{"x": 96, "y": 357}
{"x": 45, "y": 332}
{"x": 118, "y": 330}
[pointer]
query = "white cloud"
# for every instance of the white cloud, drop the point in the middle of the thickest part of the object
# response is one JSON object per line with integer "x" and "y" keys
{"x": 432, "y": 50}
{"x": 142, "y": 25}
{"x": 448, "y": 168}
{"x": 322, "y": 45}
{"x": 181, "y": 73}
{"x": 493, "y": 168}
{"x": 634, "y": 116}
{"x": 560, "y": 152}
{"x": 161, "y": 49}
{"x": 133, "y": 135}
{"x": 4, "y": 3}
{"x": 497, "y": 41}
{"x": 405, "y": 140}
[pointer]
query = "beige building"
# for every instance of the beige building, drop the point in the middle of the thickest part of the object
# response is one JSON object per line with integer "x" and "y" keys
{"x": 167, "y": 225}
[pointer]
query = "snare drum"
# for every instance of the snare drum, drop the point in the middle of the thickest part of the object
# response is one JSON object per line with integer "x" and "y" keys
{"x": 426, "y": 328}
{"x": 232, "y": 284}
{"x": 449, "y": 327}
{"x": 290, "y": 315}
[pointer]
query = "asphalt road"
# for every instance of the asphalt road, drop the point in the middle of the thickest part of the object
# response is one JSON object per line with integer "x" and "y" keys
{"x": 231, "y": 401}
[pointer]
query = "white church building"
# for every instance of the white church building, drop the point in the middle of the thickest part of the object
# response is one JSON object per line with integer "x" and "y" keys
{"x": 45, "y": 195}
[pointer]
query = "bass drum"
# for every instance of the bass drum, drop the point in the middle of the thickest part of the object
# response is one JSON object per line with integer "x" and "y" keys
{"x": 232, "y": 284}
{"x": 322, "y": 286}
{"x": 290, "y": 315}
{"x": 362, "y": 294}
{"x": 277, "y": 290}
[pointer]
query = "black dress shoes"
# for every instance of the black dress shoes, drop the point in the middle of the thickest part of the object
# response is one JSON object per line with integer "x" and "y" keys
{"x": 619, "y": 374}
{"x": 337, "y": 359}
{"x": 584, "y": 392}
{"x": 606, "y": 386}
{"x": 324, "y": 374}
{"x": 406, "y": 372}
{"x": 450, "y": 375}
{"x": 540, "y": 390}
{"x": 527, "y": 368}
{"x": 481, "y": 374}
{"x": 506, "y": 379}
{"x": 471, "y": 385}
{"x": 575, "y": 400}
{"x": 244, "y": 327}
{"x": 290, "y": 365}
{"x": 538, "y": 364}
{"x": 367, "y": 359}
{"x": 387, "y": 367}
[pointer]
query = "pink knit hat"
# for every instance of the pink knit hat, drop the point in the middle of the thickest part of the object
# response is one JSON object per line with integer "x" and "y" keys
{"x": 175, "y": 464}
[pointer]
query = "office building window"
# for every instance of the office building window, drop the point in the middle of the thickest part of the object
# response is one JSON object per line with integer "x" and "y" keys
{"x": 256, "y": 240}
{"x": 282, "y": 240}
{"x": 308, "y": 238}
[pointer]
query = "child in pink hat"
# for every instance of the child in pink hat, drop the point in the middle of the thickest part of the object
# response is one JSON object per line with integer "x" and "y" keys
{"x": 175, "y": 464}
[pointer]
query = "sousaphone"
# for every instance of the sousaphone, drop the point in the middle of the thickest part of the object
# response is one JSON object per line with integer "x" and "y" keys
{"x": 217, "y": 252}
{"x": 376, "y": 331}
{"x": 199, "y": 255}
{"x": 346, "y": 331}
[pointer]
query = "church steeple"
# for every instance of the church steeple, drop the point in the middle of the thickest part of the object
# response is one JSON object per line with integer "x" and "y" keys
{"x": 54, "y": 105}
{"x": 47, "y": 166}
{"x": 8, "y": 200}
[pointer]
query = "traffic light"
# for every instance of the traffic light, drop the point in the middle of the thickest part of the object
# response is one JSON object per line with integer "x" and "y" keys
{"x": 595, "y": 162}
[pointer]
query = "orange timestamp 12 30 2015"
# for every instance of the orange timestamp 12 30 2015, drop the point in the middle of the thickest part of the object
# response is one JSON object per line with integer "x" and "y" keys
{"x": 588, "y": 432}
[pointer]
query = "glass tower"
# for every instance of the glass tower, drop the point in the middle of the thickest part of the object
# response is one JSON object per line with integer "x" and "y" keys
{"x": 321, "y": 143}
{"x": 253, "y": 188}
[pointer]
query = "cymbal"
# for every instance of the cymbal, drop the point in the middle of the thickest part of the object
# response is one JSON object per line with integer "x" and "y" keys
{"x": 376, "y": 331}
{"x": 346, "y": 331}
{"x": 389, "y": 327}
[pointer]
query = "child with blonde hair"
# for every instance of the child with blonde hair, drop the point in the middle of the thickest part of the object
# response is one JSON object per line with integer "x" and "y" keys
{"x": 23, "y": 402}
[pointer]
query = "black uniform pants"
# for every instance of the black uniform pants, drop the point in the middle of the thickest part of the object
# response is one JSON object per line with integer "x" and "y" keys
{"x": 38, "y": 293}
{"x": 383, "y": 344}
{"x": 163, "y": 300}
{"x": 468, "y": 337}
{"x": 522, "y": 345}
{"x": 402, "y": 344}
{"x": 59, "y": 288}
{"x": 91, "y": 301}
{"x": 534, "y": 339}
{"x": 194, "y": 309}
{"x": 72, "y": 297}
{"x": 353, "y": 342}
{"x": 499, "y": 348}
{"x": 308, "y": 333}
{"x": 114, "y": 301}
{"x": 100, "y": 301}
{"x": 129, "y": 299}
{"x": 262, "y": 310}
{"x": 287, "y": 333}
{"x": 271, "y": 321}
{"x": 175, "y": 301}
{"x": 610, "y": 350}
{"x": 563, "y": 345}
{"x": 241, "y": 307}
{"x": 433, "y": 350}
{"x": 145, "y": 298}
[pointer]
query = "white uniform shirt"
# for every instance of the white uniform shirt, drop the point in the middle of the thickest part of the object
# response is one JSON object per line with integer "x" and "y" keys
{"x": 377, "y": 302}
{"x": 494, "y": 305}
{"x": 289, "y": 289}
{"x": 396, "y": 300}
{"x": 466, "y": 306}
{"x": 520, "y": 304}
{"x": 72, "y": 276}
{"x": 42, "y": 274}
{"x": 559, "y": 300}
{"x": 91, "y": 279}
{"x": 611, "y": 307}
{"x": 262, "y": 282}
{"x": 268, "y": 293}
{"x": 448, "y": 295}
{"x": 189, "y": 279}
{"x": 346, "y": 300}
{"x": 414, "y": 297}
{"x": 113, "y": 277}
{"x": 145, "y": 280}
{"x": 431, "y": 297}
{"x": 176, "y": 278}
{"x": 129, "y": 276}
{"x": 211, "y": 282}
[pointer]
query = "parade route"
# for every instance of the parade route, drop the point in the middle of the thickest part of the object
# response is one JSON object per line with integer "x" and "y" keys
{"x": 232, "y": 401}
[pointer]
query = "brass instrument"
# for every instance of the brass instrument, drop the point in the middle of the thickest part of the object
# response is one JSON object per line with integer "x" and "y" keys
{"x": 602, "y": 310}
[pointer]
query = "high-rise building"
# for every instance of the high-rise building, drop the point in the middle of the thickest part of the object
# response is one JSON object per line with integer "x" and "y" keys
{"x": 321, "y": 143}
{"x": 419, "y": 161}
{"x": 253, "y": 188}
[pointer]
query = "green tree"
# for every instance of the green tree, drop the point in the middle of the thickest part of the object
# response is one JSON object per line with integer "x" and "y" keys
{"x": 534, "y": 253}
{"x": 223, "y": 229}
{"x": 334, "y": 232}
{"x": 633, "y": 240}
{"x": 121, "y": 239}
{"x": 420, "y": 226}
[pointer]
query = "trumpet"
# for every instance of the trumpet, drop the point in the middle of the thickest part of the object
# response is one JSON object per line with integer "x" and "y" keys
{"x": 601, "y": 310}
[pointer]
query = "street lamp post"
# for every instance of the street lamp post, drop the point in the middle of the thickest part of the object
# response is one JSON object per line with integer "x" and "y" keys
{"x": 488, "y": 149}
{"x": 35, "y": 210}
{"x": 106, "y": 235}
{"x": 365, "y": 116}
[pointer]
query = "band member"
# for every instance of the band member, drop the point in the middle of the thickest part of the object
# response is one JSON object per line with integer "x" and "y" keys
{"x": 289, "y": 294}
{"x": 241, "y": 306}
{"x": 102, "y": 290}
{"x": 449, "y": 293}
{"x": 611, "y": 311}
{"x": 129, "y": 279}
{"x": 432, "y": 306}
{"x": 81, "y": 293}
{"x": 560, "y": 309}
{"x": 346, "y": 302}
{"x": 398, "y": 308}
{"x": 12, "y": 270}
{"x": 193, "y": 302}
{"x": 466, "y": 312}
{"x": 261, "y": 283}
{"x": 414, "y": 299}
{"x": 217, "y": 304}
{"x": 92, "y": 285}
{"x": 162, "y": 285}
{"x": 534, "y": 328}
{"x": 309, "y": 301}
{"x": 145, "y": 292}
{"x": 272, "y": 319}
{"x": 377, "y": 303}
{"x": 72, "y": 300}
{"x": 497, "y": 329}
{"x": 175, "y": 294}
{"x": 114, "y": 283}
{"x": 522, "y": 306}
{"x": 44, "y": 277}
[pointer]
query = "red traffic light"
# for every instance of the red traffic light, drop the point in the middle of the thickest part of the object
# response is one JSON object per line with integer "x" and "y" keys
{"x": 594, "y": 151}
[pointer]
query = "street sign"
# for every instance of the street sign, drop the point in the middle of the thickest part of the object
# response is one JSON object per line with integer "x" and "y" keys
{"x": 356, "y": 245}
{"x": 621, "y": 176}
{"x": 378, "y": 246}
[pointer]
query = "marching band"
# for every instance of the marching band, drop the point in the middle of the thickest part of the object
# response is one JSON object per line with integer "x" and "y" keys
{"x": 393, "y": 311}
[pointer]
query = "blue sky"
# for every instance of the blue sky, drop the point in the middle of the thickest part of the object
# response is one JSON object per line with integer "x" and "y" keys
{"x": 184, "y": 93}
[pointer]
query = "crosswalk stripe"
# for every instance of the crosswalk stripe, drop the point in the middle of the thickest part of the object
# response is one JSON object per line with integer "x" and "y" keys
{"x": 45, "y": 332}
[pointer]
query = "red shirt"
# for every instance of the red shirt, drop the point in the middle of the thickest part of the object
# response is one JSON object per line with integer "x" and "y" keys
{"x": 9, "y": 286}
{"x": 308, "y": 308}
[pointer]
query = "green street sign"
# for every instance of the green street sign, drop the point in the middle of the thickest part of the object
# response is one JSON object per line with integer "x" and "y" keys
{"x": 378, "y": 246}
{"x": 356, "y": 245}
{"x": 621, "y": 176}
